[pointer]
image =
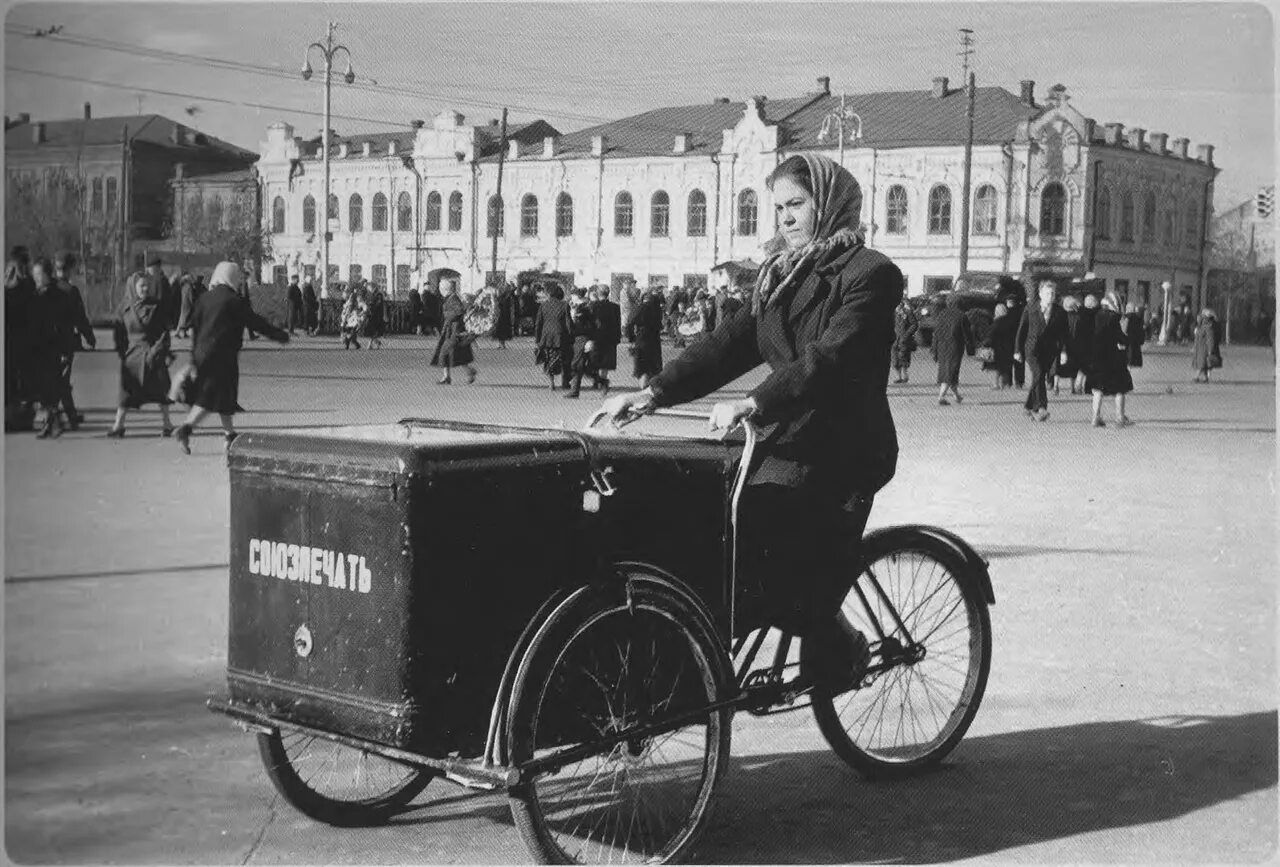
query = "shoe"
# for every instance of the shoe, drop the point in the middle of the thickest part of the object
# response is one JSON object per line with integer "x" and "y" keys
{"x": 1097, "y": 422}
{"x": 445, "y": 381}
{"x": 471, "y": 376}
{"x": 1042, "y": 415}
{"x": 167, "y": 431}
{"x": 571, "y": 395}
{"x": 1028, "y": 413}
{"x": 959, "y": 399}
{"x": 116, "y": 433}
{"x": 229, "y": 438}
{"x": 1125, "y": 421}
{"x": 604, "y": 389}
{"x": 183, "y": 436}
{"x": 52, "y": 428}
{"x": 942, "y": 401}
{"x": 841, "y": 657}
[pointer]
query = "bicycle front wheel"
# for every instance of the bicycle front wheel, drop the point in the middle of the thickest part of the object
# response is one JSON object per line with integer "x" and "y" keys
{"x": 604, "y": 668}
{"x": 926, "y": 682}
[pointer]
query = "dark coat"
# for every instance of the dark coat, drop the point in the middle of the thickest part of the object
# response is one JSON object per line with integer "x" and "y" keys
{"x": 310, "y": 306}
{"x": 551, "y": 325}
{"x": 50, "y": 326}
{"x": 415, "y": 309}
{"x": 431, "y": 303}
{"x": 1039, "y": 340}
{"x": 453, "y": 349}
{"x": 1108, "y": 370}
{"x": 1003, "y": 331}
{"x": 644, "y": 330}
{"x": 608, "y": 317}
{"x": 583, "y": 329}
{"x": 218, "y": 323}
{"x": 79, "y": 332}
{"x": 1207, "y": 352}
{"x": 504, "y": 314}
{"x": 905, "y": 326}
{"x": 827, "y": 339}
{"x": 144, "y": 363}
{"x": 1136, "y": 335}
{"x": 186, "y": 297}
{"x": 952, "y": 340}
{"x": 375, "y": 324}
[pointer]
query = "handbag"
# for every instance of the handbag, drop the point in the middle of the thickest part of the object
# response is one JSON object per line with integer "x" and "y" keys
{"x": 183, "y": 388}
{"x": 986, "y": 354}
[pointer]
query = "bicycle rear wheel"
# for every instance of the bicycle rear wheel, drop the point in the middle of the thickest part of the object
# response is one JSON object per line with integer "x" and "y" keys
{"x": 920, "y": 699}
{"x": 602, "y": 668}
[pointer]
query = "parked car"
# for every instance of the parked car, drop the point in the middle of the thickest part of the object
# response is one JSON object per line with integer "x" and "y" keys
{"x": 977, "y": 294}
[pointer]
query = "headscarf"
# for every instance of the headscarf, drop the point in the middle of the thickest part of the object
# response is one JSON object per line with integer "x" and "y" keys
{"x": 227, "y": 274}
{"x": 1111, "y": 300}
{"x": 1070, "y": 303}
{"x": 838, "y": 202}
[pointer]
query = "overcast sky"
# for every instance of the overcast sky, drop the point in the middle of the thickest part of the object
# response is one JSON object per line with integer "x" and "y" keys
{"x": 1205, "y": 71}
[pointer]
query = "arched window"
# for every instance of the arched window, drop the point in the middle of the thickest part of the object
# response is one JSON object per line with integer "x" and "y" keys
{"x": 895, "y": 217}
{"x": 494, "y": 225}
{"x": 1167, "y": 231}
{"x": 564, "y": 215}
{"x": 940, "y": 210}
{"x": 277, "y": 214}
{"x": 309, "y": 214}
{"x": 404, "y": 212}
{"x": 1053, "y": 209}
{"x": 355, "y": 213}
{"x": 660, "y": 215}
{"x": 984, "y": 210}
{"x": 379, "y": 221}
{"x": 529, "y": 216}
{"x": 622, "y": 214}
{"x": 1149, "y": 218}
{"x": 433, "y": 211}
{"x": 1102, "y": 217}
{"x": 748, "y": 212}
{"x": 697, "y": 214}
{"x": 1191, "y": 229}
{"x": 95, "y": 200}
{"x": 333, "y": 206}
{"x": 1126, "y": 217}
{"x": 455, "y": 211}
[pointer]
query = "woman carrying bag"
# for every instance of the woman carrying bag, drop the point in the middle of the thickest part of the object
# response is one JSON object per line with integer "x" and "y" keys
{"x": 453, "y": 349}
{"x": 144, "y": 356}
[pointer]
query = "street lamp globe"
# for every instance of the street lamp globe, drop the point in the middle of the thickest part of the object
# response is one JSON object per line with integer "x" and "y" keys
{"x": 306, "y": 70}
{"x": 349, "y": 76}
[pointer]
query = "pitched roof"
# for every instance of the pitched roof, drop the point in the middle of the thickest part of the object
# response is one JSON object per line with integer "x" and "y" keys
{"x": 487, "y": 138}
{"x": 152, "y": 128}
{"x": 238, "y": 176}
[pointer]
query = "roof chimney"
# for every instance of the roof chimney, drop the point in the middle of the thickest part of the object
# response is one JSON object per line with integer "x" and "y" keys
{"x": 1136, "y": 137}
{"x": 824, "y": 84}
{"x": 682, "y": 143}
{"x": 720, "y": 100}
{"x": 344, "y": 148}
{"x": 417, "y": 124}
{"x": 88, "y": 111}
{"x": 175, "y": 134}
{"x": 178, "y": 170}
{"x": 1159, "y": 142}
{"x": 513, "y": 148}
{"x": 1180, "y": 147}
{"x": 1204, "y": 153}
{"x": 550, "y": 144}
{"x": 940, "y": 87}
{"x": 493, "y": 121}
{"x": 1028, "y": 92}
{"x": 1114, "y": 132}
{"x": 37, "y": 132}
{"x": 598, "y": 144}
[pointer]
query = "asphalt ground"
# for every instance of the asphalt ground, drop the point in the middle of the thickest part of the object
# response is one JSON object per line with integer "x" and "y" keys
{"x": 1130, "y": 714}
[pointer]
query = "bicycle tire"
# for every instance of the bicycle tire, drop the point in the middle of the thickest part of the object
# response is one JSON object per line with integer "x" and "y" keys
{"x": 575, "y": 677}
{"x": 838, "y": 716}
{"x": 295, "y": 760}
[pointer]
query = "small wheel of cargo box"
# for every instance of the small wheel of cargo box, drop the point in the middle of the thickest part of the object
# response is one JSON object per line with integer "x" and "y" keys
{"x": 337, "y": 784}
{"x": 923, "y": 691}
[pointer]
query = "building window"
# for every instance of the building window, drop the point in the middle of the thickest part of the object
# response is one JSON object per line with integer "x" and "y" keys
{"x": 404, "y": 213}
{"x": 1053, "y": 209}
{"x": 984, "y": 210}
{"x": 455, "y": 211}
{"x": 564, "y": 215}
{"x": 354, "y": 273}
{"x": 940, "y": 210}
{"x": 379, "y": 276}
{"x": 355, "y": 213}
{"x": 1126, "y": 217}
{"x": 697, "y": 214}
{"x": 494, "y": 226}
{"x": 280, "y": 276}
{"x": 402, "y": 279}
{"x": 934, "y": 285}
{"x": 896, "y": 211}
{"x": 333, "y": 206}
{"x": 660, "y": 215}
{"x": 433, "y": 211}
{"x": 1191, "y": 229}
{"x": 1102, "y": 218}
{"x": 529, "y": 216}
{"x": 113, "y": 186}
{"x": 309, "y": 214}
{"x": 333, "y": 274}
{"x": 95, "y": 200}
{"x": 622, "y": 215}
{"x": 1144, "y": 294}
{"x": 1167, "y": 231}
{"x": 379, "y": 221}
{"x": 695, "y": 283}
{"x": 659, "y": 282}
{"x": 748, "y": 212}
{"x": 1149, "y": 218}
{"x": 215, "y": 212}
{"x": 277, "y": 214}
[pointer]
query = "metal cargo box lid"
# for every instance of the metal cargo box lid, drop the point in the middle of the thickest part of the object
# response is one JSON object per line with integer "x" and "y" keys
{"x": 382, "y": 453}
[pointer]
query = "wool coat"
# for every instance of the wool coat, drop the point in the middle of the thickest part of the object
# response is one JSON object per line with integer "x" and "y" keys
{"x": 218, "y": 322}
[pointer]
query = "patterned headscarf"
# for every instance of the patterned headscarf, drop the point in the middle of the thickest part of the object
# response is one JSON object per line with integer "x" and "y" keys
{"x": 838, "y": 201}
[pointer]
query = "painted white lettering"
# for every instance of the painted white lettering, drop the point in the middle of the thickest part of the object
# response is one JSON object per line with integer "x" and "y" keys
{"x": 254, "y": 547}
{"x": 366, "y": 577}
{"x": 304, "y": 564}
{"x": 317, "y": 565}
{"x": 353, "y": 569}
{"x": 339, "y": 573}
{"x": 328, "y": 567}
{"x": 292, "y": 569}
{"x": 277, "y": 560}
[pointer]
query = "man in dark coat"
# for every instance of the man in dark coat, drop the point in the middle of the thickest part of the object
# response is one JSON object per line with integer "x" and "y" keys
{"x": 504, "y": 314}
{"x": 310, "y": 308}
{"x": 644, "y": 331}
{"x": 432, "y": 304}
{"x": 608, "y": 316}
{"x": 77, "y": 329}
{"x": 1042, "y": 333}
{"x": 952, "y": 340}
{"x": 218, "y": 324}
{"x": 583, "y": 331}
{"x": 415, "y": 311}
{"x": 49, "y": 328}
{"x": 293, "y": 304}
{"x": 170, "y": 302}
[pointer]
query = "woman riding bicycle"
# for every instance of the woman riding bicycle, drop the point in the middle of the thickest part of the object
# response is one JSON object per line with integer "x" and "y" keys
{"x": 822, "y": 318}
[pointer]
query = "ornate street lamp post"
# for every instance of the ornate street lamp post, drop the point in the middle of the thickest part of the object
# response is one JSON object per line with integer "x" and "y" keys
{"x": 328, "y": 50}
{"x": 838, "y": 119}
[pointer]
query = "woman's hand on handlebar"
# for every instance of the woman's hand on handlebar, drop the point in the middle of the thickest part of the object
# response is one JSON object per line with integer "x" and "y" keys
{"x": 624, "y": 406}
{"x": 725, "y": 416}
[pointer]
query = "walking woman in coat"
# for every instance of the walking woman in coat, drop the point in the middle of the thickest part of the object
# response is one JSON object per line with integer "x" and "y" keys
{"x": 310, "y": 308}
{"x": 952, "y": 340}
{"x": 1109, "y": 361}
{"x": 608, "y": 317}
{"x": 644, "y": 331}
{"x": 551, "y": 336}
{"x": 1004, "y": 328}
{"x": 905, "y": 327}
{"x": 1207, "y": 351}
{"x": 504, "y": 312}
{"x": 453, "y": 349}
{"x": 1079, "y": 339}
{"x": 144, "y": 359}
{"x": 218, "y": 323}
{"x": 50, "y": 322}
{"x": 1134, "y": 332}
{"x": 376, "y": 318}
{"x": 822, "y": 319}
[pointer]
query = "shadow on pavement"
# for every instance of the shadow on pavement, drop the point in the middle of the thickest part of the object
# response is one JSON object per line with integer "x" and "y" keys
{"x": 995, "y": 552}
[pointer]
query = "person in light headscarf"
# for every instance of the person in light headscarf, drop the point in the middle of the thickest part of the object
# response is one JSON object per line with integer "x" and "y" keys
{"x": 144, "y": 355}
{"x": 822, "y": 318}
{"x": 1108, "y": 372}
{"x": 218, "y": 323}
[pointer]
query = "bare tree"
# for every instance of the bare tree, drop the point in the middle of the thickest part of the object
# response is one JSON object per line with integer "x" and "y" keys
{"x": 227, "y": 227}
{"x": 1232, "y": 256}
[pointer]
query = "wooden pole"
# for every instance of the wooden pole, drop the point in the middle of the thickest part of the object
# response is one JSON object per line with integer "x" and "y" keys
{"x": 498, "y": 221}
{"x": 968, "y": 175}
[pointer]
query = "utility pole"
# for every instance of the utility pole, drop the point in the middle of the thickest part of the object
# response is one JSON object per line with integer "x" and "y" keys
{"x": 328, "y": 50}
{"x": 497, "y": 217}
{"x": 966, "y": 42}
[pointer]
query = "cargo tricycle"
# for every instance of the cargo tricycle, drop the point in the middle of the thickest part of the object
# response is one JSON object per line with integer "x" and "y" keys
{"x": 556, "y": 615}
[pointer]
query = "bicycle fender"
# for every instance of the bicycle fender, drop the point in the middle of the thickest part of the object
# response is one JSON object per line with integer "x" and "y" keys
{"x": 976, "y": 565}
